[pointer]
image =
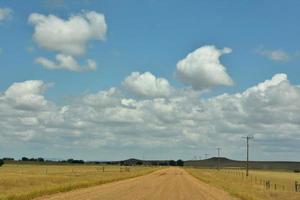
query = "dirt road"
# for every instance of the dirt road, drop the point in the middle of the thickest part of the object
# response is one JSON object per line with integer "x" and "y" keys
{"x": 167, "y": 184}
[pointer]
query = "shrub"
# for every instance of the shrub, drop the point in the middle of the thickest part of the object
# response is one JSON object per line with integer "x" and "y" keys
{"x": 25, "y": 159}
{"x": 1, "y": 162}
{"x": 179, "y": 163}
{"x": 139, "y": 163}
{"x": 75, "y": 161}
{"x": 172, "y": 163}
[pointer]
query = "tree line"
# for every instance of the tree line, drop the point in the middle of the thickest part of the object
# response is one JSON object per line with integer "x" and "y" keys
{"x": 71, "y": 160}
{"x": 74, "y": 161}
{"x": 41, "y": 160}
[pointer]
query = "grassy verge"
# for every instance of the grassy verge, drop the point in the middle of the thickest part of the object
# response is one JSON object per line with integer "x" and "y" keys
{"x": 25, "y": 182}
{"x": 253, "y": 187}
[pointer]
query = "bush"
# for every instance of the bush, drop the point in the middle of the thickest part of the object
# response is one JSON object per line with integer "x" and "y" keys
{"x": 297, "y": 170}
{"x": 172, "y": 163}
{"x": 25, "y": 159}
{"x": 179, "y": 163}
{"x": 139, "y": 163}
{"x": 1, "y": 162}
{"x": 75, "y": 161}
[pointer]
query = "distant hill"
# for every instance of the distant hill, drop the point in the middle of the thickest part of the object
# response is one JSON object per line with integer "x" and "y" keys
{"x": 133, "y": 161}
{"x": 227, "y": 163}
{"x": 207, "y": 163}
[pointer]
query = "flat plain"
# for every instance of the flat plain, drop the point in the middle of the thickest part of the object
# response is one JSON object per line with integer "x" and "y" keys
{"x": 56, "y": 182}
{"x": 254, "y": 187}
{"x": 26, "y": 181}
{"x": 166, "y": 184}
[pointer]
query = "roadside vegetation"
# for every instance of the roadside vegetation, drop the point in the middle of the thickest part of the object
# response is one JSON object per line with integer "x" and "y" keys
{"x": 255, "y": 187}
{"x": 27, "y": 181}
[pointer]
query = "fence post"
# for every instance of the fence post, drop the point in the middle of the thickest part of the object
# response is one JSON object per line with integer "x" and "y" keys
{"x": 268, "y": 184}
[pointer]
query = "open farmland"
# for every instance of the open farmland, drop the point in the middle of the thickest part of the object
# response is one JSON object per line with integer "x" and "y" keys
{"x": 255, "y": 187}
{"x": 26, "y": 181}
{"x": 167, "y": 184}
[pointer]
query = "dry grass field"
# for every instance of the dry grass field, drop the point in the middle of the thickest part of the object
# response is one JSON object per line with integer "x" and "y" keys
{"x": 172, "y": 183}
{"x": 253, "y": 187}
{"x": 24, "y": 181}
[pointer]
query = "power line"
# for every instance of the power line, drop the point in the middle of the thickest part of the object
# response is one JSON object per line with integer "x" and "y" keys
{"x": 247, "y": 162}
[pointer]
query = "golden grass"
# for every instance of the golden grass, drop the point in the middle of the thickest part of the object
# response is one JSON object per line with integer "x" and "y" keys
{"x": 253, "y": 187}
{"x": 23, "y": 182}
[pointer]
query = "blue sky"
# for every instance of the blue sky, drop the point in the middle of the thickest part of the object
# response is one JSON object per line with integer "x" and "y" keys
{"x": 152, "y": 36}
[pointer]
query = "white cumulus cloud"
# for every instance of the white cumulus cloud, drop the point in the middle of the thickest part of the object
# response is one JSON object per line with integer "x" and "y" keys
{"x": 66, "y": 62}
{"x": 68, "y": 37}
{"x": 276, "y": 54}
{"x": 147, "y": 85}
{"x": 26, "y": 95}
{"x": 103, "y": 98}
{"x": 179, "y": 125}
{"x": 5, "y": 13}
{"x": 202, "y": 68}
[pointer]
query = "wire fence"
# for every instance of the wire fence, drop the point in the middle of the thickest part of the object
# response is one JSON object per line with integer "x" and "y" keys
{"x": 262, "y": 181}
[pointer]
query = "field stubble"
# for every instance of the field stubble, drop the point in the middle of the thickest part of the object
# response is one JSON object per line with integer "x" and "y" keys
{"x": 254, "y": 186}
{"x": 24, "y": 182}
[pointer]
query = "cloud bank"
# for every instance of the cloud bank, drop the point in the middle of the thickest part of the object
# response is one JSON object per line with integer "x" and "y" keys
{"x": 182, "y": 122}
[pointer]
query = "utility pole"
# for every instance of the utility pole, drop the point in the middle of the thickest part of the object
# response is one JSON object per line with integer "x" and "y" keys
{"x": 206, "y": 155}
{"x": 247, "y": 162}
{"x": 219, "y": 150}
